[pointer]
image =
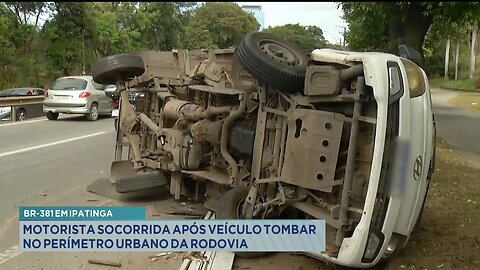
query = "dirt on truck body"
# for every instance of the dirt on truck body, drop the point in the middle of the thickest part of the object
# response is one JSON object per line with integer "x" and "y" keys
{"x": 265, "y": 131}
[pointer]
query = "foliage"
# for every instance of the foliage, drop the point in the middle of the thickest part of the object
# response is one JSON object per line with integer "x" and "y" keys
{"x": 307, "y": 37}
{"x": 41, "y": 41}
{"x": 435, "y": 45}
{"x": 372, "y": 25}
{"x": 218, "y": 24}
{"x": 382, "y": 26}
{"x": 467, "y": 84}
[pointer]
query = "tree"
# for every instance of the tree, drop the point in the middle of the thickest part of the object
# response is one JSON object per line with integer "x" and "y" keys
{"x": 70, "y": 35}
{"x": 114, "y": 32}
{"x": 163, "y": 25}
{"x": 27, "y": 12}
{"x": 22, "y": 63}
{"x": 439, "y": 40}
{"x": 472, "y": 51}
{"x": 385, "y": 25}
{"x": 217, "y": 24}
{"x": 307, "y": 37}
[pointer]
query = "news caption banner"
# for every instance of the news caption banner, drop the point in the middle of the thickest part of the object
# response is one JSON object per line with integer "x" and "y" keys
{"x": 121, "y": 228}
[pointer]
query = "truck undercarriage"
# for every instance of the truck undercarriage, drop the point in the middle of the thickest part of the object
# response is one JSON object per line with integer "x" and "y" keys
{"x": 210, "y": 129}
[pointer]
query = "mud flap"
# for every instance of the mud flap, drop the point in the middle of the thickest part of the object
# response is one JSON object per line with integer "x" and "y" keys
{"x": 140, "y": 182}
{"x": 121, "y": 169}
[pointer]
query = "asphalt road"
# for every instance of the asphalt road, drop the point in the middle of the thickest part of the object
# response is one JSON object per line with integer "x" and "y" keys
{"x": 46, "y": 162}
{"x": 458, "y": 126}
{"x": 51, "y": 163}
{"x": 51, "y": 157}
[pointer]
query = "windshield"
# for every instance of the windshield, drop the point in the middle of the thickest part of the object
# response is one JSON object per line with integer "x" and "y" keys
{"x": 69, "y": 84}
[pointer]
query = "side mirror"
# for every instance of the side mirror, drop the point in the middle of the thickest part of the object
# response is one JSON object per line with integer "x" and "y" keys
{"x": 110, "y": 90}
{"x": 410, "y": 54}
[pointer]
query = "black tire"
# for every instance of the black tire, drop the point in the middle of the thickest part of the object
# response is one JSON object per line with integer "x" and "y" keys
{"x": 273, "y": 61}
{"x": 140, "y": 182}
{"x": 92, "y": 115}
{"x": 431, "y": 170}
{"x": 228, "y": 208}
{"x": 21, "y": 115}
{"x": 418, "y": 223}
{"x": 52, "y": 115}
{"x": 123, "y": 67}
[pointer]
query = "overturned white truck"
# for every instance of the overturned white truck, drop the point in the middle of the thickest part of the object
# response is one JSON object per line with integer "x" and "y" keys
{"x": 266, "y": 131}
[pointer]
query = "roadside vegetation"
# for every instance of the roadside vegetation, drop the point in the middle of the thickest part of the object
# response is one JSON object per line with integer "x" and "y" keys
{"x": 465, "y": 84}
{"x": 41, "y": 41}
{"x": 445, "y": 34}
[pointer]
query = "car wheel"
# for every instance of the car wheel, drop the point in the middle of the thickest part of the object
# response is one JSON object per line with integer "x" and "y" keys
{"x": 21, "y": 115}
{"x": 273, "y": 61}
{"x": 52, "y": 116}
{"x": 123, "y": 67}
{"x": 229, "y": 207}
{"x": 93, "y": 114}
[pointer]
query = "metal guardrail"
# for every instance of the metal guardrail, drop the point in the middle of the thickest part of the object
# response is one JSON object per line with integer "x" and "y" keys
{"x": 17, "y": 101}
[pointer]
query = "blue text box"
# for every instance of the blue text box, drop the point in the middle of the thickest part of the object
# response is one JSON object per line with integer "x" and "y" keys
{"x": 77, "y": 213}
{"x": 174, "y": 235}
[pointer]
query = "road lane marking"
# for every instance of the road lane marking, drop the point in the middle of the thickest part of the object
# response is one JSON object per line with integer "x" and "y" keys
{"x": 107, "y": 201}
{"x": 50, "y": 144}
{"x": 9, "y": 254}
{"x": 15, "y": 251}
{"x": 37, "y": 120}
{"x": 22, "y": 122}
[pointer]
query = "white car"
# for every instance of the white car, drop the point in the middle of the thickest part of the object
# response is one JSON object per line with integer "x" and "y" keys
{"x": 401, "y": 163}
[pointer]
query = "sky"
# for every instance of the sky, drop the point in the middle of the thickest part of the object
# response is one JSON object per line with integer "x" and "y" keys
{"x": 322, "y": 14}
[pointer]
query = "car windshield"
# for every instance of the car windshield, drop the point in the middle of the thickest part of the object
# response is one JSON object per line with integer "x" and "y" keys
{"x": 13, "y": 92}
{"x": 69, "y": 84}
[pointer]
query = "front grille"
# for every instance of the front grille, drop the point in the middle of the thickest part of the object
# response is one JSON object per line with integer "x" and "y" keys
{"x": 393, "y": 122}
{"x": 382, "y": 200}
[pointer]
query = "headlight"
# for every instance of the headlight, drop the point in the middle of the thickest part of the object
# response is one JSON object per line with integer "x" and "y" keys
{"x": 372, "y": 246}
{"x": 374, "y": 243}
{"x": 416, "y": 81}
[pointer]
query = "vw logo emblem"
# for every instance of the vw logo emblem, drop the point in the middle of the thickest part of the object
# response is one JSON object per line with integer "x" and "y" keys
{"x": 417, "y": 168}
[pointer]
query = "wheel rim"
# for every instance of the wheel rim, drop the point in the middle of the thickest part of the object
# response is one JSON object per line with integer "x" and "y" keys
{"x": 21, "y": 116}
{"x": 94, "y": 112}
{"x": 279, "y": 52}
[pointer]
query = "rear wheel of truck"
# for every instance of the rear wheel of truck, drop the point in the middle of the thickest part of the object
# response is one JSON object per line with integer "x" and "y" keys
{"x": 230, "y": 207}
{"x": 118, "y": 67}
{"x": 274, "y": 61}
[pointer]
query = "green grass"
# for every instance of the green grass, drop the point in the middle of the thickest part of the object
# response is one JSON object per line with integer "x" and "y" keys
{"x": 466, "y": 84}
